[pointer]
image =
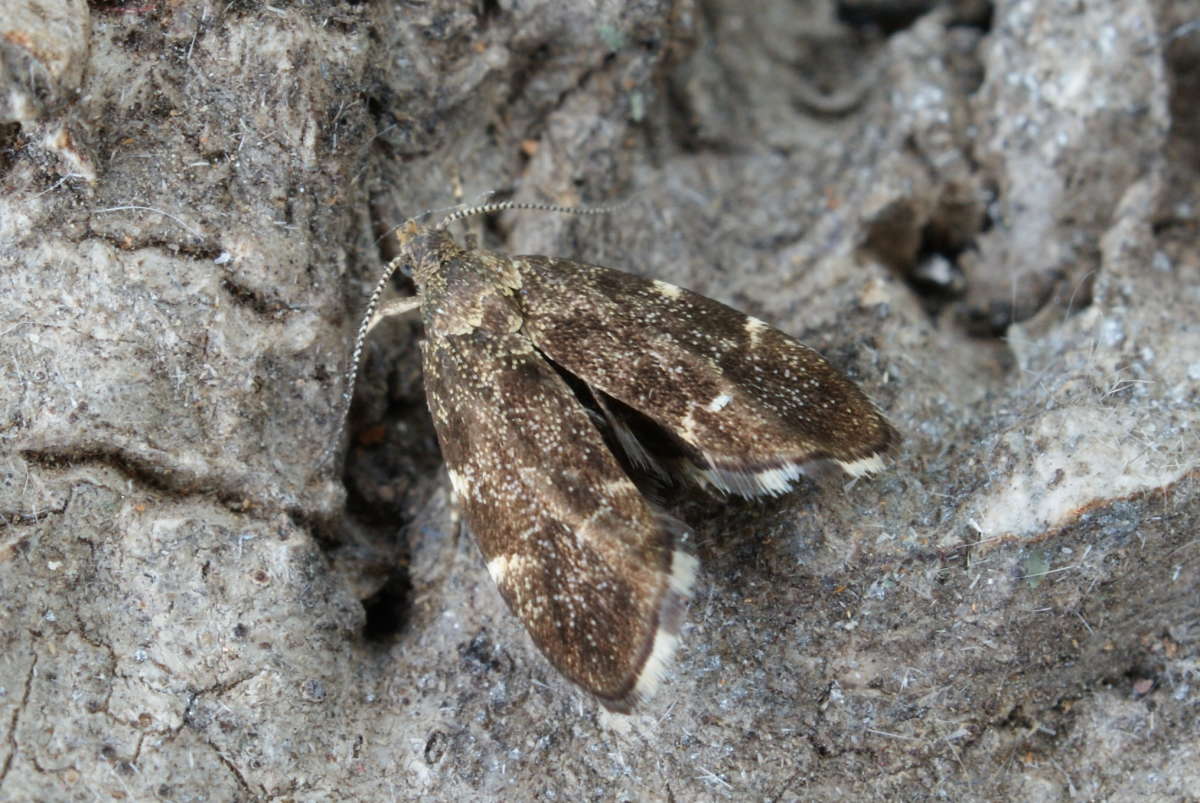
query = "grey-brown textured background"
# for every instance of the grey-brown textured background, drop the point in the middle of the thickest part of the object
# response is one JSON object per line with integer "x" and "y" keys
{"x": 986, "y": 214}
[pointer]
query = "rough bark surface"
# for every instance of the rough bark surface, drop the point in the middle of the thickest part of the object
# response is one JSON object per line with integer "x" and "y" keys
{"x": 987, "y": 214}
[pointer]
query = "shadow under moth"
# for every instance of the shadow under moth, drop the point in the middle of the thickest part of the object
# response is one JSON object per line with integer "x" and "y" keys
{"x": 547, "y": 379}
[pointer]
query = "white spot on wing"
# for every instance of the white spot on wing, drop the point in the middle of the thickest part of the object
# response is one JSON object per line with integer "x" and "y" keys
{"x": 668, "y": 290}
{"x": 458, "y": 483}
{"x": 754, "y": 327}
{"x": 498, "y": 567}
{"x": 718, "y": 404}
{"x": 504, "y": 567}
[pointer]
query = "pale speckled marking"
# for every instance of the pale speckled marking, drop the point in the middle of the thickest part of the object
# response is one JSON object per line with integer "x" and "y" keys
{"x": 587, "y": 531}
{"x": 669, "y": 290}
{"x": 616, "y": 487}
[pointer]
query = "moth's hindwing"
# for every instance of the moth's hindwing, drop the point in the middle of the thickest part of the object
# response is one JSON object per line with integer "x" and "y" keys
{"x": 598, "y": 579}
{"x": 749, "y": 404}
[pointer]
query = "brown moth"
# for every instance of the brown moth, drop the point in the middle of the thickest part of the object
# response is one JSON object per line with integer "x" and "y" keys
{"x": 685, "y": 385}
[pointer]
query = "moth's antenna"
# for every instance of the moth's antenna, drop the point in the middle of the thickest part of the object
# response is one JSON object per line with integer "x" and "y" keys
{"x": 368, "y": 321}
{"x": 500, "y": 206}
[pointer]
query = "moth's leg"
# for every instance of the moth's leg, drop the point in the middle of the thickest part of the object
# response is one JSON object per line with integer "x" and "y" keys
{"x": 392, "y": 308}
{"x": 439, "y": 557}
{"x": 458, "y": 524}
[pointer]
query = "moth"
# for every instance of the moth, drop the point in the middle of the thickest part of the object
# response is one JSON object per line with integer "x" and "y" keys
{"x": 547, "y": 379}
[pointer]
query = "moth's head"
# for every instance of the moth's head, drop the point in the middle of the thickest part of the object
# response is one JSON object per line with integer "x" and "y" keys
{"x": 421, "y": 248}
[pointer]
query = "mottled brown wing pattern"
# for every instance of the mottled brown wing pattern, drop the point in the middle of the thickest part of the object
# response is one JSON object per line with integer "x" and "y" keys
{"x": 598, "y": 579}
{"x": 753, "y": 404}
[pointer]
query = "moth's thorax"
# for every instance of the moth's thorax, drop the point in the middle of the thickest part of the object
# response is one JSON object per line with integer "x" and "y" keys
{"x": 460, "y": 290}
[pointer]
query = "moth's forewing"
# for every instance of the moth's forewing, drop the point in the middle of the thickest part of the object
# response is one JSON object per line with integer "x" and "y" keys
{"x": 753, "y": 404}
{"x": 598, "y": 579}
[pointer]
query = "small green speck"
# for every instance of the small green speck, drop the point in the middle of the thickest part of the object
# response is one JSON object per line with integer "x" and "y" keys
{"x": 637, "y": 106}
{"x": 1036, "y": 567}
{"x": 613, "y": 38}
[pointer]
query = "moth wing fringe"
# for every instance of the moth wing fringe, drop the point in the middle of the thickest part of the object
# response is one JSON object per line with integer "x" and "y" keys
{"x": 671, "y": 610}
